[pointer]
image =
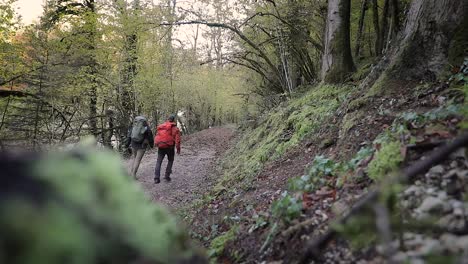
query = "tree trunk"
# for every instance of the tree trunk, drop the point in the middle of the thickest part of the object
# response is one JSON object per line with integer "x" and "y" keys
{"x": 93, "y": 67}
{"x": 378, "y": 35}
{"x": 431, "y": 28}
{"x": 384, "y": 29}
{"x": 129, "y": 73}
{"x": 395, "y": 17}
{"x": 337, "y": 61}
{"x": 360, "y": 29}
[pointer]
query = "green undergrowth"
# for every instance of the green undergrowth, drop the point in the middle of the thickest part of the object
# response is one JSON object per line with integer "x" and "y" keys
{"x": 218, "y": 244}
{"x": 376, "y": 161}
{"x": 360, "y": 229}
{"x": 288, "y": 125}
{"x": 84, "y": 208}
{"x": 285, "y": 127}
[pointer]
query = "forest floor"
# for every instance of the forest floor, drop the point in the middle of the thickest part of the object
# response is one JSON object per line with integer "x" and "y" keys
{"x": 191, "y": 171}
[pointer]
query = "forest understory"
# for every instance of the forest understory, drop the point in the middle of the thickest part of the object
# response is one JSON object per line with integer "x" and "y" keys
{"x": 318, "y": 131}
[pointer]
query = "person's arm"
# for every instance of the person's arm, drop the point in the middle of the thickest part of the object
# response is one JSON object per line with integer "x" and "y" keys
{"x": 176, "y": 133}
{"x": 150, "y": 137}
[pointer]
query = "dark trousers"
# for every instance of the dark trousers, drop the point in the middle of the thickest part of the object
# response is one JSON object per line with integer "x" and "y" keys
{"x": 170, "y": 156}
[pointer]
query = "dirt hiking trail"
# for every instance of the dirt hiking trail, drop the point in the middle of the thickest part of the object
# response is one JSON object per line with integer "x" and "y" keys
{"x": 191, "y": 169}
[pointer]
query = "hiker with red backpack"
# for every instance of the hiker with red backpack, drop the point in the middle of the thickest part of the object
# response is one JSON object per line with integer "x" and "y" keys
{"x": 167, "y": 140}
{"x": 140, "y": 138}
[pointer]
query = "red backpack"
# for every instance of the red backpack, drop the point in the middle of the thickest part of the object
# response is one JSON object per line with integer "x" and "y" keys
{"x": 164, "y": 138}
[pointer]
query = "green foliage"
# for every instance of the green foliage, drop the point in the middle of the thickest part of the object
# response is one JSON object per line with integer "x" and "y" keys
{"x": 88, "y": 211}
{"x": 359, "y": 230}
{"x": 361, "y": 155}
{"x": 284, "y": 129}
{"x": 218, "y": 244}
{"x": 315, "y": 177}
{"x": 386, "y": 160}
{"x": 260, "y": 222}
{"x": 440, "y": 113}
{"x": 322, "y": 166}
{"x": 287, "y": 208}
{"x": 8, "y": 19}
{"x": 95, "y": 66}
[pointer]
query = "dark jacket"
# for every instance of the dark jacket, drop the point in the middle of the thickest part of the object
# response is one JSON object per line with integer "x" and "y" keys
{"x": 148, "y": 140}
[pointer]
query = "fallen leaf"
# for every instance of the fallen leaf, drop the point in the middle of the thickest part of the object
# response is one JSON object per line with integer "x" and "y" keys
{"x": 307, "y": 200}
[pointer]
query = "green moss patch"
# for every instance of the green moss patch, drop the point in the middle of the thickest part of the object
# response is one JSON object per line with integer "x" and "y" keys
{"x": 218, "y": 244}
{"x": 284, "y": 129}
{"x": 386, "y": 160}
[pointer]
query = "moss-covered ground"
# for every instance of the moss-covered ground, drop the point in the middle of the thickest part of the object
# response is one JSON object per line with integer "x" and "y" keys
{"x": 285, "y": 128}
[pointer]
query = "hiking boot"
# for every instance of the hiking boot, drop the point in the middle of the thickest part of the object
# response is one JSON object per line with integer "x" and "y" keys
{"x": 157, "y": 180}
{"x": 167, "y": 176}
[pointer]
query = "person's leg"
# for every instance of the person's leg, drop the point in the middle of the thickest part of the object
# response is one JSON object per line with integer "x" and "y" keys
{"x": 157, "y": 169}
{"x": 170, "y": 158}
{"x": 139, "y": 155}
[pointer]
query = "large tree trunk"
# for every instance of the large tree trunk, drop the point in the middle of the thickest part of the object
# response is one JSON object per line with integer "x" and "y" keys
{"x": 430, "y": 28}
{"x": 337, "y": 61}
{"x": 424, "y": 43}
{"x": 129, "y": 73}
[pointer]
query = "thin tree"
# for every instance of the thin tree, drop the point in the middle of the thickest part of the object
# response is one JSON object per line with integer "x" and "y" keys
{"x": 360, "y": 28}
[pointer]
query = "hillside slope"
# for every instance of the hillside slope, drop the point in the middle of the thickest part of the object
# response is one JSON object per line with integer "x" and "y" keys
{"x": 310, "y": 159}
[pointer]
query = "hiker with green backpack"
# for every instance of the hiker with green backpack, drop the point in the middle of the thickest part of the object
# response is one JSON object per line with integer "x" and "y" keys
{"x": 140, "y": 138}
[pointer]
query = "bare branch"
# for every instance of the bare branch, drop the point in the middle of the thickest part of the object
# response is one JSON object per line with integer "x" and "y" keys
{"x": 261, "y": 53}
{"x": 7, "y": 93}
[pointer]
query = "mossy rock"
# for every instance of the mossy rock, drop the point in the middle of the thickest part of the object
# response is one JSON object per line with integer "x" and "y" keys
{"x": 81, "y": 207}
{"x": 358, "y": 103}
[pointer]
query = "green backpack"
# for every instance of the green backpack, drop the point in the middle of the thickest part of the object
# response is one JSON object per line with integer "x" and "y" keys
{"x": 138, "y": 129}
